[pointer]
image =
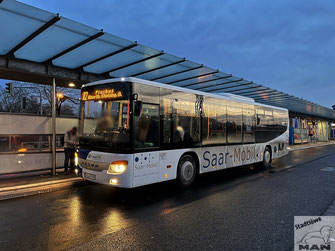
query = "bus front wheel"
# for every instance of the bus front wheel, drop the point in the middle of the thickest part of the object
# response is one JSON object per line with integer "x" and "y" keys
{"x": 187, "y": 171}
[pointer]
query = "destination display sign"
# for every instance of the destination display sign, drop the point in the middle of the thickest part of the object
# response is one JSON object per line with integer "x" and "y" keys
{"x": 112, "y": 91}
{"x": 101, "y": 95}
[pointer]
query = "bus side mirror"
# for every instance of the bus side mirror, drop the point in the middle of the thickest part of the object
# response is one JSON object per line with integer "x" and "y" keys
{"x": 138, "y": 108}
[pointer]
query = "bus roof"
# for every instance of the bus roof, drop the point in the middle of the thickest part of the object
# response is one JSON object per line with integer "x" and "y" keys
{"x": 225, "y": 96}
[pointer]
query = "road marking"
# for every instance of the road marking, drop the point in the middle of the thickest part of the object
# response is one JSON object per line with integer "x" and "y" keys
{"x": 328, "y": 169}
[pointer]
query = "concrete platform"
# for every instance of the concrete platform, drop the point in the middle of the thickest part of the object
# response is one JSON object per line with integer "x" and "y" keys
{"x": 20, "y": 185}
{"x": 311, "y": 145}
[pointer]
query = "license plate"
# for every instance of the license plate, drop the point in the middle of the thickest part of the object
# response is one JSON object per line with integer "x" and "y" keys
{"x": 89, "y": 176}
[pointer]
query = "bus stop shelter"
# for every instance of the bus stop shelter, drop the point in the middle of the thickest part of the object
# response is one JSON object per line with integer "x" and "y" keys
{"x": 43, "y": 47}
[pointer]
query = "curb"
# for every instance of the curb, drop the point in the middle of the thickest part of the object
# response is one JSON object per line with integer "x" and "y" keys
{"x": 313, "y": 146}
{"x": 287, "y": 167}
{"x": 38, "y": 188}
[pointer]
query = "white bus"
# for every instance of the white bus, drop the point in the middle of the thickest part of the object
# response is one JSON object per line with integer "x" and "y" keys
{"x": 136, "y": 132}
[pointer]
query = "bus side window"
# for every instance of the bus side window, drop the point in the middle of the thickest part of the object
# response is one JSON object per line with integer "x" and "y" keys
{"x": 179, "y": 121}
{"x": 284, "y": 120}
{"x": 234, "y": 123}
{"x": 248, "y": 124}
{"x": 166, "y": 119}
{"x": 166, "y": 128}
{"x": 214, "y": 122}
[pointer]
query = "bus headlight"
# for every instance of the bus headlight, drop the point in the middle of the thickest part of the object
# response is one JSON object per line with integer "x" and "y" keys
{"x": 76, "y": 159}
{"x": 118, "y": 167}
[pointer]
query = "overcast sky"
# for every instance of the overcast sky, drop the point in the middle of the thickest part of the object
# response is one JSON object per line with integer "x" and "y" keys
{"x": 284, "y": 44}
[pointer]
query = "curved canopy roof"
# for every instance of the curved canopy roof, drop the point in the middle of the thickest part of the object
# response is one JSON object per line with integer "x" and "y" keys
{"x": 74, "y": 51}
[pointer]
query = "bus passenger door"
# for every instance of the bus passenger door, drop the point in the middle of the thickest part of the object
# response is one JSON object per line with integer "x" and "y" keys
{"x": 146, "y": 137}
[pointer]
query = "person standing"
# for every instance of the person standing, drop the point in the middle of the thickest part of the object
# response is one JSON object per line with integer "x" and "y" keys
{"x": 70, "y": 140}
{"x": 311, "y": 133}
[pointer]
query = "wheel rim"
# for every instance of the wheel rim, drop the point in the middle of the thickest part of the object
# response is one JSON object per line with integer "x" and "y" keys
{"x": 267, "y": 157}
{"x": 187, "y": 170}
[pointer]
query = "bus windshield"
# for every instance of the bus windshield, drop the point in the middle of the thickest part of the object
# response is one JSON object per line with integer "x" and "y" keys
{"x": 105, "y": 124}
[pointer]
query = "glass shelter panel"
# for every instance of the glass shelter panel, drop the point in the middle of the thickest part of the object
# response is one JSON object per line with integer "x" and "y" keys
{"x": 29, "y": 143}
{"x": 4, "y": 144}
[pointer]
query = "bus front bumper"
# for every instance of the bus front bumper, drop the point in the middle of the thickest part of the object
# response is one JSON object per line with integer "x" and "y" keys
{"x": 106, "y": 179}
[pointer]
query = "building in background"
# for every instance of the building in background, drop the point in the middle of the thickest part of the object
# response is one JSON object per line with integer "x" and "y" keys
{"x": 307, "y": 129}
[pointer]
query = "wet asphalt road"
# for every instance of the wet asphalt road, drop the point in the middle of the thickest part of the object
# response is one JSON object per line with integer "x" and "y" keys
{"x": 237, "y": 209}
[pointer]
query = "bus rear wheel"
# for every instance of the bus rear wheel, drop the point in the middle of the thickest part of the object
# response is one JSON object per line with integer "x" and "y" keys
{"x": 187, "y": 171}
{"x": 266, "y": 163}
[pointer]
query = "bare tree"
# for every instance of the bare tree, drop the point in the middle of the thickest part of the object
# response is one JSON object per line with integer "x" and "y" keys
{"x": 70, "y": 106}
{"x": 14, "y": 103}
{"x": 31, "y": 93}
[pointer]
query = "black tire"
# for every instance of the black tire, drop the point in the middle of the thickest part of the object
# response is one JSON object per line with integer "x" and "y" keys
{"x": 267, "y": 159}
{"x": 187, "y": 171}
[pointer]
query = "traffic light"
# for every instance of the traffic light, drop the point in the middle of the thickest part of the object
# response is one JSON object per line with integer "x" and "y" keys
{"x": 24, "y": 103}
{"x": 9, "y": 89}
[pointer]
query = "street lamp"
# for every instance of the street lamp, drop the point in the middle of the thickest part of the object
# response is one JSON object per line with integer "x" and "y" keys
{"x": 60, "y": 99}
{"x": 59, "y": 96}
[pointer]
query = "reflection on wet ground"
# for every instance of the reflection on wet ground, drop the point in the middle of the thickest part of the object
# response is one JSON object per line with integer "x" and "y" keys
{"x": 67, "y": 218}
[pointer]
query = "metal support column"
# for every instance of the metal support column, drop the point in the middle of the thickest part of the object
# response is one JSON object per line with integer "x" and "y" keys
{"x": 53, "y": 107}
{"x": 41, "y": 104}
{"x": 81, "y": 116}
{"x": 300, "y": 125}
